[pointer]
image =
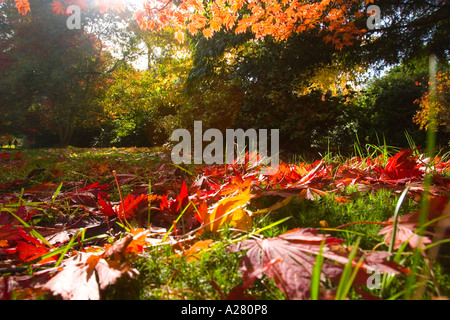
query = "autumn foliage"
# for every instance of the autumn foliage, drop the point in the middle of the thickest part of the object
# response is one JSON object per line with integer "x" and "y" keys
{"x": 439, "y": 107}
{"x": 181, "y": 212}
{"x": 279, "y": 19}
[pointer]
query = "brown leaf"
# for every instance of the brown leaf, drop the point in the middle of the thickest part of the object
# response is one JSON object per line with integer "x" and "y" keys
{"x": 77, "y": 280}
{"x": 109, "y": 271}
{"x": 296, "y": 252}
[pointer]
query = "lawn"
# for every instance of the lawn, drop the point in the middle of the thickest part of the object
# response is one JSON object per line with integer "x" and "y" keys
{"x": 128, "y": 224}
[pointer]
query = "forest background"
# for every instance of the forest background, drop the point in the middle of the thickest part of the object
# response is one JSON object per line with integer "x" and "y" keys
{"x": 112, "y": 83}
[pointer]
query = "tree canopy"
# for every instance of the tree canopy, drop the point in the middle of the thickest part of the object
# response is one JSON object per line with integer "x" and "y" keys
{"x": 300, "y": 66}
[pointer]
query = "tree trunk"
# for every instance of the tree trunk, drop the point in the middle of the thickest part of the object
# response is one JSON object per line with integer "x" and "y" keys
{"x": 65, "y": 133}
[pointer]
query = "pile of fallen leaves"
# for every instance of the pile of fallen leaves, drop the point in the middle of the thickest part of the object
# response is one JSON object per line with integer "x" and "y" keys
{"x": 91, "y": 241}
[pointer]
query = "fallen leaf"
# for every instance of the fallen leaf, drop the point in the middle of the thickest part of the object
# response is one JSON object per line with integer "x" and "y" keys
{"x": 297, "y": 251}
{"x": 228, "y": 210}
{"x": 193, "y": 251}
{"x": 406, "y": 227}
{"x": 77, "y": 276}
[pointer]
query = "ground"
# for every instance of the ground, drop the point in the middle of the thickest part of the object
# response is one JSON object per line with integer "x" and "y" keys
{"x": 149, "y": 229}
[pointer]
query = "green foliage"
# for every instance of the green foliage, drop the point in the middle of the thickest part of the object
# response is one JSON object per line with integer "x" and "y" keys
{"x": 388, "y": 106}
{"x": 142, "y": 105}
{"x": 53, "y": 73}
{"x": 241, "y": 82}
{"x": 410, "y": 29}
{"x": 168, "y": 275}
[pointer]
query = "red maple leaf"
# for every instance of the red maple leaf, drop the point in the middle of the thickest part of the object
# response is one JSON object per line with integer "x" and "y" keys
{"x": 10, "y": 233}
{"x": 58, "y": 7}
{"x": 123, "y": 210}
{"x": 402, "y": 165}
{"x": 180, "y": 202}
{"x": 106, "y": 207}
{"x": 182, "y": 198}
{"x": 407, "y": 225}
{"x": 23, "y": 212}
{"x": 170, "y": 209}
{"x": 5, "y": 155}
{"x": 297, "y": 251}
{"x": 27, "y": 247}
{"x": 88, "y": 195}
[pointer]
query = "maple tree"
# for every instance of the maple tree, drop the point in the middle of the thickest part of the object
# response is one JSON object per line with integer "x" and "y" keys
{"x": 441, "y": 106}
{"x": 278, "y": 19}
{"x": 142, "y": 105}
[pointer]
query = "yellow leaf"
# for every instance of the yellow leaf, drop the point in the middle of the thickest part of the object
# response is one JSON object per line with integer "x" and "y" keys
{"x": 241, "y": 220}
{"x": 276, "y": 206}
{"x": 179, "y": 35}
{"x": 323, "y": 224}
{"x": 229, "y": 210}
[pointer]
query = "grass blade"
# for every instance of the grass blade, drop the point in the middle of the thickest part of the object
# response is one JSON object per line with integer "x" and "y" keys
{"x": 56, "y": 194}
{"x": 33, "y": 232}
{"x": 397, "y": 210}
{"x": 67, "y": 247}
{"x": 317, "y": 271}
{"x": 175, "y": 222}
{"x": 348, "y": 276}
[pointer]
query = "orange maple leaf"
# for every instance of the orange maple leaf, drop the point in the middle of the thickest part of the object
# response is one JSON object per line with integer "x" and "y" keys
{"x": 192, "y": 252}
{"x": 23, "y": 6}
{"x": 179, "y": 35}
{"x": 139, "y": 242}
{"x": 207, "y": 33}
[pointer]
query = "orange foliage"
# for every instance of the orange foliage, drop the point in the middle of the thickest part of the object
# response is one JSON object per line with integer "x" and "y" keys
{"x": 277, "y": 18}
{"x": 23, "y": 6}
{"x": 58, "y": 7}
{"x": 280, "y": 18}
{"x": 440, "y": 107}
